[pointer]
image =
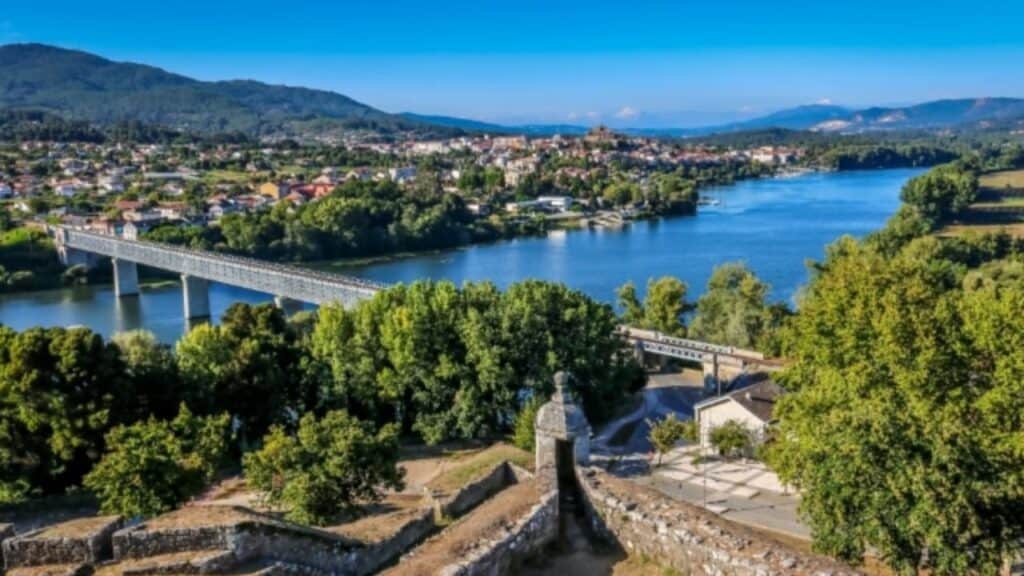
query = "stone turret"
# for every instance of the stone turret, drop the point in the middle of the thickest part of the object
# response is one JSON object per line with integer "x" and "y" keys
{"x": 561, "y": 419}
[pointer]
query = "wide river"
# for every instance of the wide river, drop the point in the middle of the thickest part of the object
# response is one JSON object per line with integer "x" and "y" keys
{"x": 774, "y": 225}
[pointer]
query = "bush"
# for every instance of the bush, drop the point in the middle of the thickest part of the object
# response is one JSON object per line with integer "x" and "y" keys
{"x": 664, "y": 435}
{"x": 154, "y": 466}
{"x": 730, "y": 438}
{"x": 526, "y": 421}
{"x": 328, "y": 467}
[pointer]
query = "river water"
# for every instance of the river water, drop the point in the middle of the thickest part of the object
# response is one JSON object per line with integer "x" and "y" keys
{"x": 774, "y": 225}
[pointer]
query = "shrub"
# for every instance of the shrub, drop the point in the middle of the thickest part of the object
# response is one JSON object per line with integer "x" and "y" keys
{"x": 328, "y": 467}
{"x": 665, "y": 434}
{"x": 526, "y": 421}
{"x": 730, "y": 438}
{"x": 154, "y": 466}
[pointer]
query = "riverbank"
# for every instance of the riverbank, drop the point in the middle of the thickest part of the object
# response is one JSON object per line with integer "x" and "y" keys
{"x": 773, "y": 224}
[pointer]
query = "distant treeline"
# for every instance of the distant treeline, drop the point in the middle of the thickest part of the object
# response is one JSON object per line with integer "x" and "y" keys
{"x": 862, "y": 157}
{"x": 42, "y": 126}
{"x": 358, "y": 219}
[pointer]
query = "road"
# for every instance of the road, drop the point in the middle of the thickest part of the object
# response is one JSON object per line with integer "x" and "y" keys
{"x": 673, "y": 393}
{"x": 624, "y": 440}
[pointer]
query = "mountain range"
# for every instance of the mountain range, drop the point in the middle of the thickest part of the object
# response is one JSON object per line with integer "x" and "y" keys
{"x": 84, "y": 86}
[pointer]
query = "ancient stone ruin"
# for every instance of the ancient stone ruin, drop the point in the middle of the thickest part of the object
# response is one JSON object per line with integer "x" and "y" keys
{"x": 501, "y": 517}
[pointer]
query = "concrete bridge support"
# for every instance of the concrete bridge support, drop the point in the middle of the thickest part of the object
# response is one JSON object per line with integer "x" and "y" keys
{"x": 287, "y": 305}
{"x": 712, "y": 378}
{"x": 196, "y": 292}
{"x": 126, "y": 278}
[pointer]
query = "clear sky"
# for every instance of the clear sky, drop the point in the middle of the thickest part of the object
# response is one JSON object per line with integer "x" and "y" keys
{"x": 625, "y": 63}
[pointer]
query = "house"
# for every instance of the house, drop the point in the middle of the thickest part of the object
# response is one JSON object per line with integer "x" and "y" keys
{"x": 402, "y": 175}
{"x": 478, "y": 208}
{"x": 362, "y": 174}
{"x": 173, "y": 210}
{"x": 66, "y": 188}
{"x": 556, "y": 203}
{"x": 509, "y": 143}
{"x": 752, "y": 406}
{"x": 5, "y": 190}
{"x": 133, "y": 230}
{"x": 274, "y": 190}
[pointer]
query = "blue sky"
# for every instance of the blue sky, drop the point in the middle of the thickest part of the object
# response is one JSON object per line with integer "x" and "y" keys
{"x": 623, "y": 63}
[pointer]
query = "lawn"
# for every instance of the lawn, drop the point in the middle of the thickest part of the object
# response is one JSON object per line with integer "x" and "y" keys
{"x": 234, "y": 176}
{"x": 999, "y": 207}
{"x": 1002, "y": 180}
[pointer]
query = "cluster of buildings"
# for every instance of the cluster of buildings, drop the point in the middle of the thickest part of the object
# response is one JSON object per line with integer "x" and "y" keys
{"x": 135, "y": 187}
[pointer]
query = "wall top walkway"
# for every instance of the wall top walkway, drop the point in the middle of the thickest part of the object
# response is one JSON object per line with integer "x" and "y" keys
{"x": 293, "y": 282}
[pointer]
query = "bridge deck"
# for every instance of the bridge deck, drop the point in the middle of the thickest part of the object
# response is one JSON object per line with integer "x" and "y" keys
{"x": 292, "y": 282}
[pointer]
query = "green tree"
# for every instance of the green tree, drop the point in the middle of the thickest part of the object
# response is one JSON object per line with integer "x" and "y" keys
{"x": 730, "y": 438}
{"x": 732, "y": 311}
{"x": 663, "y": 308}
{"x": 330, "y": 466}
{"x": 942, "y": 192}
{"x": 154, "y": 371}
{"x": 524, "y": 432}
{"x": 665, "y": 434}
{"x": 60, "y": 390}
{"x": 249, "y": 366}
{"x": 154, "y": 466}
{"x": 902, "y": 425}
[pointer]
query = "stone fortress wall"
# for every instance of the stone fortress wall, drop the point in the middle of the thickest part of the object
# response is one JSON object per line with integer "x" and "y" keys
{"x": 640, "y": 520}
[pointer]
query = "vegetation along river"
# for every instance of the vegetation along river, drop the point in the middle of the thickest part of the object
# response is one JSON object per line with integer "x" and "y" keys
{"x": 774, "y": 225}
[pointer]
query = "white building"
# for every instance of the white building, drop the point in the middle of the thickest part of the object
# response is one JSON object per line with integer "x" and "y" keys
{"x": 752, "y": 406}
{"x": 402, "y": 175}
{"x": 5, "y": 190}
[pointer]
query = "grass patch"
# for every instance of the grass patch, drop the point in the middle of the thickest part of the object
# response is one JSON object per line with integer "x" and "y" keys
{"x": 467, "y": 466}
{"x": 234, "y": 176}
{"x": 1002, "y": 180}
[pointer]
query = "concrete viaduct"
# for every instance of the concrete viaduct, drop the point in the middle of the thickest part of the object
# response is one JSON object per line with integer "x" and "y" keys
{"x": 290, "y": 285}
{"x": 293, "y": 285}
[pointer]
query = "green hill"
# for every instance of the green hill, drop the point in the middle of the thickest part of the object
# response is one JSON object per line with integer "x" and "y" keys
{"x": 83, "y": 86}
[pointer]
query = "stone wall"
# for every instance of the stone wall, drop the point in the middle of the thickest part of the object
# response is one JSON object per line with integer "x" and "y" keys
{"x": 500, "y": 553}
{"x": 43, "y": 546}
{"x": 685, "y": 537}
{"x": 6, "y": 532}
{"x": 374, "y": 557}
{"x": 469, "y": 496}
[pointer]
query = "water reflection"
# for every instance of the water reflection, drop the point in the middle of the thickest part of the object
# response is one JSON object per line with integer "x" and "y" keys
{"x": 773, "y": 225}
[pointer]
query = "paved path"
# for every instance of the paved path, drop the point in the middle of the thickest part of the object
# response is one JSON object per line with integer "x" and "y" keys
{"x": 665, "y": 394}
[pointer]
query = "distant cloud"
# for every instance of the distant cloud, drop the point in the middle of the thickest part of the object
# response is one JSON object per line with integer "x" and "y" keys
{"x": 627, "y": 113}
{"x": 748, "y": 109}
{"x": 593, "y": 115}
{"x": 824, "y": 101}
{"x": 573, "y": 116}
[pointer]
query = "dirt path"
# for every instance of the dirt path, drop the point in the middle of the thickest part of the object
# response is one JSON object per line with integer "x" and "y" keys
{"x": 453, "y": 543}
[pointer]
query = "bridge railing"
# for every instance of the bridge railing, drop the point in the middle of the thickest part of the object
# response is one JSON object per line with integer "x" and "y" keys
{"x": 696, "y": 345}
{"x": 227, "y": 268}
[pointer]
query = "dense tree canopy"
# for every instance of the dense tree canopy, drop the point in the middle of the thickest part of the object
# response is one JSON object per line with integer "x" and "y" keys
{"x": 662, "y": 309}
{"x": 155, "y": 465}
{"x": 457, "y": 363}
{"x": 248, "y": 366}
{"x": 329, "y": 466}
{"x": 733, "y": 310}
{"x": 60, "y": 390}
{"x": 903, "y": 431}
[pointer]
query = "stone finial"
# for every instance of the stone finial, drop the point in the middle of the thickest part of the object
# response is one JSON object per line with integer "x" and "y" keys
{"x": 561, "y": 387}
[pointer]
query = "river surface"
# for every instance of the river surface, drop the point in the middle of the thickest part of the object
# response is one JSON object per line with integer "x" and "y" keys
{"x": 774, "y": 225}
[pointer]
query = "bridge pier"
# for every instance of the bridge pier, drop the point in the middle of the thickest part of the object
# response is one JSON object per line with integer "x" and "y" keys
{"x": 288, "y": 305}
{"x": 196, "y": 293}
{"x": 126, "y": 278}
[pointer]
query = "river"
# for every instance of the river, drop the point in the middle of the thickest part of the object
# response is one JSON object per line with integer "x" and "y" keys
{"x": 774, "y": 225}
